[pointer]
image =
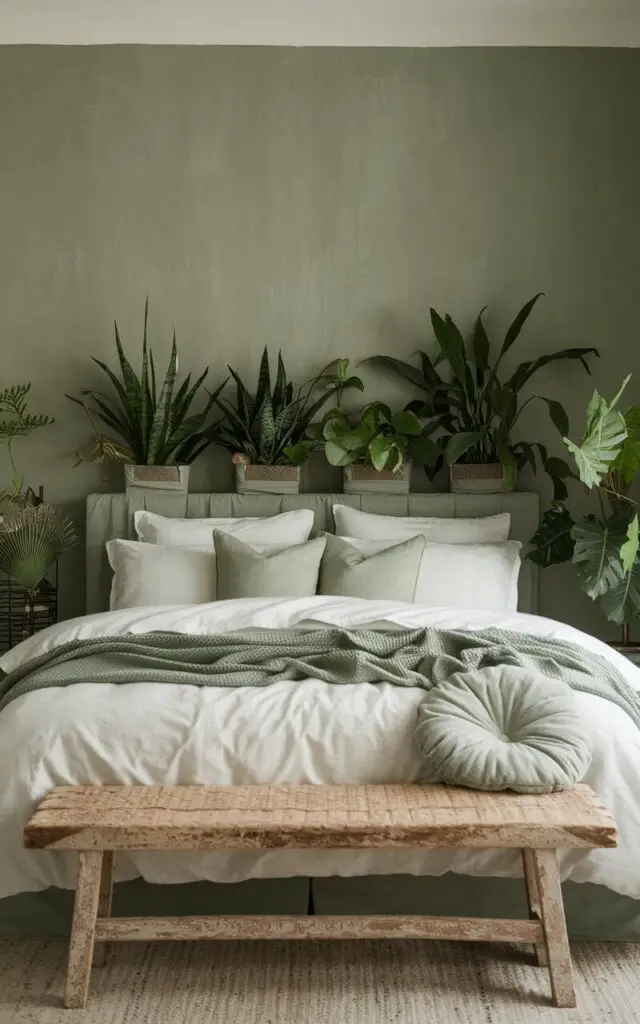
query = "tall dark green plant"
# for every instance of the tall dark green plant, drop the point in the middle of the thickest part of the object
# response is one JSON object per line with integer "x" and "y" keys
{"x": 472, "y": 406}
{"x": 603, "y": 547}
{"x": 154, "y": 425}
{"x": 270, "y": 425}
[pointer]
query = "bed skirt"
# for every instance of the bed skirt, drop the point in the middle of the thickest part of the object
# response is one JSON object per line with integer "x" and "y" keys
{"x": 593, "y": 912}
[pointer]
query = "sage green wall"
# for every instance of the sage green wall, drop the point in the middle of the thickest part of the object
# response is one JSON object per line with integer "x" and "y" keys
{"x": 318, "y": 200}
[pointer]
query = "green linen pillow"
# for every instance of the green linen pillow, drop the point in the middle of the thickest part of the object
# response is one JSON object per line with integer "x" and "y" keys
{"x": 503, "y": 727}
{"x": 389, "y": 575}
{"x": 244, "y": 572}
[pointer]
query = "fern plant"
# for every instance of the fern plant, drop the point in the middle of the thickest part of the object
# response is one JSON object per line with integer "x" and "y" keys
{"x": 16, "y": 421}
{"x": 270, "y": 425}
{"x": 153, "y": 424}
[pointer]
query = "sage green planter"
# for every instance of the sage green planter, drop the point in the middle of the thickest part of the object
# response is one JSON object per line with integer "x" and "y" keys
{"x": 477, "y": 478}
{"x": 255, "y": 478}
{"x": 361, "y": 479}
{"x": 156, "y": 478}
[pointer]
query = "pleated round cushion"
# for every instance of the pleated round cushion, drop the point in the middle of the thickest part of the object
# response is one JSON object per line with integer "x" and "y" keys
{"x": 503, "y": 727}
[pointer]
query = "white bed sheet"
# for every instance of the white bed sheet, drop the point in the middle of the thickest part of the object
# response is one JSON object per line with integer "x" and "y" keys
{"x": 289, "y": 732}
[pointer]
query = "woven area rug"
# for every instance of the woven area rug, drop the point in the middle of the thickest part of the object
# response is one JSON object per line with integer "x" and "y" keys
{"x": 318, "y": 983}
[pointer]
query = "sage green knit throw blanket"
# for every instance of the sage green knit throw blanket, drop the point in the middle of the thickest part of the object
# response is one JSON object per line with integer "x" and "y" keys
{"x": 405, "y": 657}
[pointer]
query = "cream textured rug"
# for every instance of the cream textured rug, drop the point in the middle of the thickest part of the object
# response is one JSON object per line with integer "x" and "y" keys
{"x": 317, "y": 983}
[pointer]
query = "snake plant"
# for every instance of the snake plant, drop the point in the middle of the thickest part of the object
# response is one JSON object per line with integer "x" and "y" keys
{"x": 153, "y": 423}
{"x": 270, "y": 425}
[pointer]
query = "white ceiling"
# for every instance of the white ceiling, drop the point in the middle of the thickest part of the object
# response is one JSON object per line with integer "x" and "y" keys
{"x": 324, "y": 22}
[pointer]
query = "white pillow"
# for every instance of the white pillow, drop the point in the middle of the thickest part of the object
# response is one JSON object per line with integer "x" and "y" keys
{"x": 483, "y": 577}
{"x": 152, "y": 574}
{"x": 285, "y": 529}
{"x": 350, "y": 522}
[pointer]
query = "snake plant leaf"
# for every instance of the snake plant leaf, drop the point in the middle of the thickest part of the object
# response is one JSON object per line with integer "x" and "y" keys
{"x": 553, "y": 541}
{"x": 281, "y": 385}
{"x": 161, "y": 422}
{"x": 32, "y": 539}
{"x": 604, "y": 436}
{"x": 459, "y": 445}
{"x": 264, "y": 379}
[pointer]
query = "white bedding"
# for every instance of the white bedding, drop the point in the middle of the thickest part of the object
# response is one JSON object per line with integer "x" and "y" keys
{"x": 289, "y": 732}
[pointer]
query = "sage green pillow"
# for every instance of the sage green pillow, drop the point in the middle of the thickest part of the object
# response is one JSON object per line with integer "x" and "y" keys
{"x": 244, "y": 572}
{"x": 503, "y": 727}
{"x": 389, "y": 575}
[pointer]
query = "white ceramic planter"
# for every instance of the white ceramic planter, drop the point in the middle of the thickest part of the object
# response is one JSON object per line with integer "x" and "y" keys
{"x": 253, "y": 478}
{"x": 360, "y": 479}
{"x": 477, "y": 478}
{"x": 156, "y": 478}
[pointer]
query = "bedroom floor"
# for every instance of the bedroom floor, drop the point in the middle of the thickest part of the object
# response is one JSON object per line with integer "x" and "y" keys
{"x": 317, "y": 983}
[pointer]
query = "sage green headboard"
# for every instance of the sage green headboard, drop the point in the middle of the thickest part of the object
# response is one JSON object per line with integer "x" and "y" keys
{"x": 111, "y": 515}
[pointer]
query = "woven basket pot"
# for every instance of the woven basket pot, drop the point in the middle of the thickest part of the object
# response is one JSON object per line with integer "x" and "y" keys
{"x": 252, "y": 477}
{"x": 156, "y": 478}
{"x": 477, "y": 478}
{"x": 360, "y": 479}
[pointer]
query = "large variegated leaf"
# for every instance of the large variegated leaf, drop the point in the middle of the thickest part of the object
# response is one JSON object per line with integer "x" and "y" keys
{"x": 553, "y": 541}
{"x": 599, "y": 564}
{"x": 603, "y": 439}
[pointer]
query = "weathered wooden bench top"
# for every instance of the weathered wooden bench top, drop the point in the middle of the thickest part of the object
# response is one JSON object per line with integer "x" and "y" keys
{"x": 216, "y": 817}
{"x": 97, "y": 821}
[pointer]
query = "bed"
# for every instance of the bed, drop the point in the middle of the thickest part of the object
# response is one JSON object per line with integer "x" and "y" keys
{"x": 288, "y": 732}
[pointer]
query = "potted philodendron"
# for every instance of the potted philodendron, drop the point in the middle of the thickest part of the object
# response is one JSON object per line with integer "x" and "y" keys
{"x": 602, "y": 546}
{"x": 157, "y": 434}
{"x": 266, "y": 430}
{"x": 375, "y": 447}
{"x": 472, "y": 409}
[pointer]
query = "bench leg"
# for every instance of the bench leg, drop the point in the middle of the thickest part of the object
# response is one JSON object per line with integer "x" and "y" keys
{"x": 555, "y": 927}
{"x": 533, "y": 900}
{"x": 104, "y": 904}
{"x": 85, "y": 912}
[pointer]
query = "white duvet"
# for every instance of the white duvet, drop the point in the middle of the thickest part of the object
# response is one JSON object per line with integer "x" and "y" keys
{"x": 289, "y": 732}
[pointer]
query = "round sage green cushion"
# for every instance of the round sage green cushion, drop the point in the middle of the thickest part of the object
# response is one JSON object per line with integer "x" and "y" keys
{"x": 503, "y": 728}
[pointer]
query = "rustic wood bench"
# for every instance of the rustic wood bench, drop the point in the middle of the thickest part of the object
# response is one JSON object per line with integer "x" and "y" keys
{"x": 98, "y": 821}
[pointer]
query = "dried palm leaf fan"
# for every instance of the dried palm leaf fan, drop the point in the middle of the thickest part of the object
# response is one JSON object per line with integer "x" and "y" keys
{"x": 32, "y": 539}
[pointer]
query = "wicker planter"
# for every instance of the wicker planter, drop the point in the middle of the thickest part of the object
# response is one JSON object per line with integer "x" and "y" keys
{"x": 156, "y": 478}
{"x": 360, "y": 479}
{"x": 23, "y": 613}
{"x": 477, "y": 478}
{"x": 253, "y": 478}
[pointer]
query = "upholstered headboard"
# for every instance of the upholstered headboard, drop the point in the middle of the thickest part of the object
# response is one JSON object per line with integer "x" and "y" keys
{"x": 111, "y": 515}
